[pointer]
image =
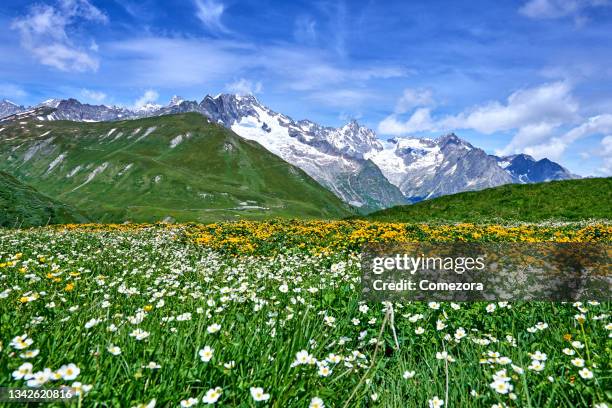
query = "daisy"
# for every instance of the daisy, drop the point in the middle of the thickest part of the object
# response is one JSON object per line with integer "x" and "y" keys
{"x": 586, "y": 373}
{"x": 139, "y": 334}
{"x": 69, "y": 372}
{"x": 21, "y": 342}
{"x": 213, "y": 328}
{"x": 316, "y": 402}
{"x": 578, "y": 362}
{"x": 436, "y": 402}
{"x": 190, "y": 402}
{"x": 30, "y": 353}
{"x": 206, "y": 354}
{"x": 212, "y": 395}
{"x": 408, "y": 374}
{"x": 258, "y": 394}
{"x": 24, "y": 370}
{"x": 114, "y": 350}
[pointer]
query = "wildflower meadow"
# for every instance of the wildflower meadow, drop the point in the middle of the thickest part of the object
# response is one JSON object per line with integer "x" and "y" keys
{"x": 269, "y": 314}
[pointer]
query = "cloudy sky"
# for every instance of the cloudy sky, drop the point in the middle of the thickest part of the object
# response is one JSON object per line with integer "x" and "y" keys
{"x": 530, "y": 76}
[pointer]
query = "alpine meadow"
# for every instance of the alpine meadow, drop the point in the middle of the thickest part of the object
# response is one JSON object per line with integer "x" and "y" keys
{"x": 240, "y": 245}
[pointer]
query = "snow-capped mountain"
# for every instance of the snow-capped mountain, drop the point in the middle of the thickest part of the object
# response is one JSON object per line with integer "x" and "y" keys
{"x": 350, "y": 161}
{"x": 525, "y": 169}
{"x": 333, "y": 157}
{"x": 427, "y": 168}
{"x": 8, "y": 108}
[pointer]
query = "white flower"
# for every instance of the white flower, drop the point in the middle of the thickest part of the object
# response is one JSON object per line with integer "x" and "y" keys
{"x": 364, "y": 308}
{"x": 206, "y": 354}
{"x": 151, "y": 404}
{"x": 502, "y": 387}
{"x": 408, "y": 374}
{"x": 460, "y": 333}
{"x": 436, "y": 402}
{"x": 213, "y": 328}
{"x": 91, "y": 323}
{"x": 39, "y": 378}
{"x": 536, "y": 365}
{"x": 440, "y": 325}
{"x": 577, "y": 344}
{"x": 303, "y": 357}
{"x": 139, "y": 334}
{"x": 324, "y": 370}
{"x": 578, "y": 362}
{"x": 152, "y": 365}
{"x": 24, "y": 370}
{"x": 21, "y": 342}
{"x": 374, "y": 397}
{"x": 229, "y": 365}
{"x": 586, "y": 373}
{"x": 29, "y": 353}
{"x": 80, "y": 389}
{"x": 283, "y": 288}
{"x": 419, "y": 330}
{"x": 69, "y": 372}
{"x": 114, "y": 350}
{"x": 491, "y": 307}
{"x": 190, "y": 402}
{"x": 212, "y": 395}
{"x": 258, "y": 394}
{"x": 568, "y": 351}
{"x": 316, "y": 402}
{"x": 433, "y": 305}
{"x": 538, "y": 355}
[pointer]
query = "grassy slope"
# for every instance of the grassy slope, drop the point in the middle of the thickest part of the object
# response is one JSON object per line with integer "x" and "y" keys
{"x": 21, "y": 205}
{"x": 569, "y": 200}
{"x": 213, "y": 175}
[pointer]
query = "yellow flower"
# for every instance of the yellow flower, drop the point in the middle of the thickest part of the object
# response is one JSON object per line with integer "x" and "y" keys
{"x": 69, "y": 287}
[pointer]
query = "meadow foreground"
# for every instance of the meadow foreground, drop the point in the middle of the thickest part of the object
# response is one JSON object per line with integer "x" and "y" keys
{"x": 269, "y": 314}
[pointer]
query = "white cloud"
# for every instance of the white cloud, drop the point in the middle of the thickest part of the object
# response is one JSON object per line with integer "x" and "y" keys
{"x": 551, "y": 9}
{"x": 419, "y": 121}
{"x": 244, "y": 87}
{"x": 305, "y": 30}
{"x": 413, "y": 98}
{"x": 11, "y": 91}
{"x": 550, "y": 103}
{"x": 532, "y": 109}
{"x": 43, "y": 32}
{"x": 96, "y": 96}
{"x": 209, "y": 12}
{"x": 606, "y": 153}
{"x": 341, "y": 98}
{"x": 150, "y": 96}
{"x": 557, "y": 144}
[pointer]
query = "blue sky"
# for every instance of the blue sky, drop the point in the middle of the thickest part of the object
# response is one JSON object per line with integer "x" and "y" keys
{"x": 529, "y": 76}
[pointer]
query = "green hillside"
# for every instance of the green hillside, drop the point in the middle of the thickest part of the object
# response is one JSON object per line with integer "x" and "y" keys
{"x": 569, "y": 200}
{"x": 178, "y": 167}
{"x": 23, "y": 206}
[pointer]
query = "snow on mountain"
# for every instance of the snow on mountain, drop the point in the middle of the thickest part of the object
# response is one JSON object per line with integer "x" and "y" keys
{"x": 8, "y": 108}
{"x": 333, "y": 157}
{"x": 350, "y": 161}
{"x": 427, "y": 168}
{"x": 525, "y": 169}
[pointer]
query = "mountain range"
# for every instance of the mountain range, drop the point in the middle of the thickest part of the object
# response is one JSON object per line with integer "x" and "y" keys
{"x": 350, "y": 161}
{"x": 177, "y": 167}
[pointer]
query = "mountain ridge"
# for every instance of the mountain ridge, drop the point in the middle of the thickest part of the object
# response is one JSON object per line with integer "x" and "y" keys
{"x": 179, "y": 167}
{"x": 409, "y": 169}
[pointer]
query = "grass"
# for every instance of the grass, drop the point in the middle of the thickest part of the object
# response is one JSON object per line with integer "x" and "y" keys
{"x": 68, "y": 288}
{"x": 567, "y": 200}
{"x": 127, "y": 170}
{"x": 23, "y": 206}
